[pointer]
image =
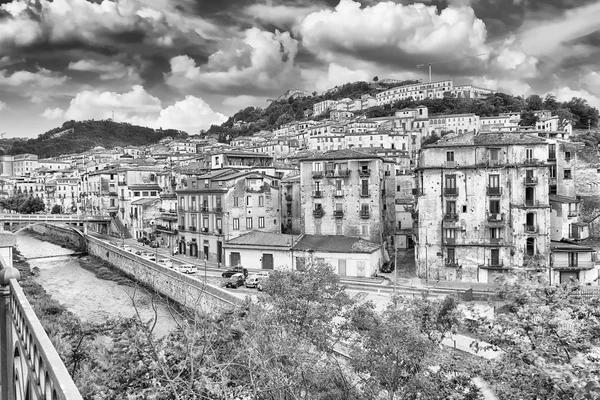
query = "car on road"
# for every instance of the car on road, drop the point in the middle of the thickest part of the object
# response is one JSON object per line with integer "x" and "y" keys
{"x": 235, "y": 270}
{"x": 235, "y": 281}
{"x": 165, "y": 262}
{"x": 387, "y": 267}
{"x": 186, "y": 269}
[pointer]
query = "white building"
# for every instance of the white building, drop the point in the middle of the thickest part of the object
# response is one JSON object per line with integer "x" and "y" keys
{"x": 419, "y": 91}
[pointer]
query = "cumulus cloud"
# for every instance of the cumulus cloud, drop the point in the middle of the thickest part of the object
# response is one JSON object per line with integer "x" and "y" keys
{"x": 139, "y": 107}
{"x": 53, "y": 113}
{"x": 243, "y": 101}
{"x": 34, "y": 85}
{"x": 259, "y": 62}
{"x": 281, "y": 16}
{"x": 3, "y": 105}
{"x": 338, "y": 75}
{"x": 511, "y": 58}
{"x": 515, "y": 87}
{"x": 106, "y": 71}
{"x": 389, "y": 31}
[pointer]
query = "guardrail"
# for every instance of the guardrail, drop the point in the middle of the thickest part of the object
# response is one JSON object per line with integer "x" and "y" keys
{"x": 53, "y": 217}
{"x": 30, "y": 365}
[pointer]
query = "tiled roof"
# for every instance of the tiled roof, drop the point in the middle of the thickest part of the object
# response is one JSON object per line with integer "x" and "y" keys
{"x": 563, "y": 199}
{"x": 258, "y": 238}
{"x": 344, "y": 154}
{"x": 566, "y": 246}
{"x": 148, "y": 186}
{"x": 488, "y": 139}
{"x": 336, "y": 244}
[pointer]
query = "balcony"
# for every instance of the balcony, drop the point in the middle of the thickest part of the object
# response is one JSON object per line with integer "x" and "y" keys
{"x": 495, "y": 241}
{"x": 122, "y": 183}
{"x": 531, "y": 180}
{"x": 318, "y": 212}
{"x": 193, "y": 209}
{"x": 576, "y": 266}
{"x": 204, "y": 209}
{"x": 449, "y": 241}
{"x": 532, "y": 203}
{"x": 218, "y": 231}
{"x": 181, "y": 228}
{"x": 572, "y": 214}
{"x": 168, "y": 196}
{"x": 531, "y": 161}
{"x": 192, "y": 229}
{"x": 495, "y": 218}
{"x": 338, "y": 214}
{"x": 365, "y": 214}
{"x": 493, "y": 163}
{"x": 181, "y": 208}
{"x": 494, "y": 191}
{"x": 342, "y": 173}
{"x": 288, "y": 197}
{"x": 329, "y": 173}
{"x": 530, "y": 228}
{"x": 218, "y": 210}
{"x": 338, "y": 193}
{"x": 165, "y": 229}
{"x": 494, "y": 264}
{"x": 317, "y": 174}
{"x": 204, "y": 230}
{"x": 364, "y": 172}
{"x": 450, "y": 191}
{"x": 451, "y": 262}
{"x": 451, "y": 217}
{"x": 318, "y": 194}
{"x": 450, "y": 164}
{"x": 365, "y": 194}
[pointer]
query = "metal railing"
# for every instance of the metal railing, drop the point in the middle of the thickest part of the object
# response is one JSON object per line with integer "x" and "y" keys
{"x": 52, "y": 217}
{"x": 451, "y": 191}
{"x": 364, "y": 172}
{"x": 30, "y": 365}
{"x": 365, "y": 214}
{"x": 494, "y": 191}
{"x": 338, "y": 213}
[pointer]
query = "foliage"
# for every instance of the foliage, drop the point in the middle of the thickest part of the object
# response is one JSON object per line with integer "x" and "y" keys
{"x": 550, "y": 337}
{"x": 80, "y": 136}
{"x": 528, "y": 118}
{"x": 23, "y": 203}
{"x": 56, "y": 209}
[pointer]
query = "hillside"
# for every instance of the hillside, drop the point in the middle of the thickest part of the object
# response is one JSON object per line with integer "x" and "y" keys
{"x": 80, "y": 136}
{"x": 280, "y": 112}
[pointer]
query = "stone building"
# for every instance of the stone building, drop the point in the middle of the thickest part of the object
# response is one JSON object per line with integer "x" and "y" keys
{"x": 222, "y": 205}
{"x": 483, "y": 206}
{"x": 347, "y": 192}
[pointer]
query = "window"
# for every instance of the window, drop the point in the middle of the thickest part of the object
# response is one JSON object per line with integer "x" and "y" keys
{"x": 451, "y": 181}
{"x": 112, "y": 202}
{"x": 136, "y": 194}
{"x": 339, "y": 228}
{"x": 530, "y": 246}
{"x": 248, "y": 222}
{"x": 451, "y": 207}
{"x": 567, "y": 174}
{"x": 236, "y": 201}
{"x": 153, "y": 193}
{"x": 317, "y": 227}
{"x": 553, "y": 171}
{"x": 449, "y": 156}
{"x": 364, "y": 229}
{"x": 236, "y": 224}
{"x": 494, "y": 257}
{"x": 451, "y": 254}
{"x": 573, "y": 260}
{"x": 567, "y": 156}
{"x": 364, "y": 187}
{"x": 204, "y": 222}
{"x": 261, "y": 222}
{"x": 248, "y": 201}
{"x": 494, "y": 181}
{"x": 261, "y": 201}
{"x": 494, "y": 206}
{"x": 552, "y": 152}
{"x": 529, "y": 196}
{"x": 317, "y": 166}
{"x": 529, "y": 154}
{"x": 152, "y": 177}
{"x": 219, "y": 223}
{"x": 494, "y": 233}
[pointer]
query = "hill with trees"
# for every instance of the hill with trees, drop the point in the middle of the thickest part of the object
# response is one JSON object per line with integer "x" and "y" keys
{"x": 80, "y": 136}
{"x": 255, "y": 119}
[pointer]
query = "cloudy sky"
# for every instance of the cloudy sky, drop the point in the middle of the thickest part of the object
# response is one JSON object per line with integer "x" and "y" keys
{"x": 186, "y": 64}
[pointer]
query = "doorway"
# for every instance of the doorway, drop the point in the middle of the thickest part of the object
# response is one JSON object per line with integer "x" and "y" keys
{"x": 267, "y": 261}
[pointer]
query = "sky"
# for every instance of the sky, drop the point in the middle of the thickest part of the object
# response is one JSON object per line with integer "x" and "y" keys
{"x": 187, "y": 64}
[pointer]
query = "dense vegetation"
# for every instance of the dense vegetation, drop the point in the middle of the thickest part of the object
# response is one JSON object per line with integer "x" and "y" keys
{"x": 23, "y": 203}
{"x": 284, "y": 346}
{"x": 277, "y": 113}
{"x": 80, "y": 136}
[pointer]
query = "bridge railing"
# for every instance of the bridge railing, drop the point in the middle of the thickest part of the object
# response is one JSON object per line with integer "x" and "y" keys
{"x": 53, "y": 217}
{"x": 29, "y": 364}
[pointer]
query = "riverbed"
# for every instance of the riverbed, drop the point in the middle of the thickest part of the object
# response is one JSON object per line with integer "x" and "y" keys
{"x": 86, "y": 296}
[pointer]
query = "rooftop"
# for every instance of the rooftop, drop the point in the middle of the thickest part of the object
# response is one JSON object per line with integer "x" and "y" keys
{"x": 335, "y": 244}
{"x": 258, "y": 238}
{"x": 563, "y": 199}
{"x": 143, "y": 202}
{"x": 489, "y": 139}
{"x": 343, "y": 154}
{"x": 570, "y": 247}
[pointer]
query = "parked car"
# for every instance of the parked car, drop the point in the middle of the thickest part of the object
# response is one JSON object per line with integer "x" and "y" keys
{"x": 387, "y": 267}
{"x": 154, "y": 244}
{"x": 255, "y": 279}
{"x": 126, "y": 247}
{"x": 235, "y": 281}
{"x": 235, "y": 270}
{"x": 186, "y": 269}
{"x": 165, "y": 262}
{"x": 143, "y": 240}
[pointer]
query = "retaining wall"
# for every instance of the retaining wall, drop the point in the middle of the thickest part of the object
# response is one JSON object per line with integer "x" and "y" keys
{"x": 74, "y": 238}
{"x": 183, "y": 289}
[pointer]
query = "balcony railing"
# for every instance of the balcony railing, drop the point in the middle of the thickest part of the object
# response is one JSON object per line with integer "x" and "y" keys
{"x": 495, "y": 240}
{"x": 317, "y": 174}
{"x": 204, "y": 230}
{"x": 329, "y": 173}
{"x": 338, "y": 214}
{"x": 122, "y": 183}
{"x": 448, "y": 240}
{"x": 364, "y": 172}
{"x": 342, "y": 173}
{"x": 493, "y": 163}
{"x": 567, "y": 265}
{"x": 204, "y": 209}
{"x": 449, "y": 164}
{"x": 192, "y": 229}
{"x": 163, "y": 228}
{"x": 451, "y": 217}
{"x": 318, "y": 213}
{"x": 218, "y": 231}
{"x": 451, "y": 191}
{"x": 531, "y": 161}
{"x": 494, "y": 191}
{"x": 181, "y": 228}
{"x": 365, "y": 214}
{"x": 365, "y": 194}
{"x": 531, "y": 228}
{"x": 495, "y": 264}
{"x": 288, "y": 197}
{"x": 552, "y": 156}
{"x": 532, "y": 203}
{"x": 218, "y": 210}
{"x": 339, "y": 193}
{"x": 451, "y": 262}
{"x": 495, "y": 217}
{"x": 531, "y": 180}
{"x": 572, "y": 214}
{"x": 317, "y": 194}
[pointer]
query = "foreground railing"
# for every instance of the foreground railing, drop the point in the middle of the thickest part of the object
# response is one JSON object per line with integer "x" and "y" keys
{"x": 30, "y": 366}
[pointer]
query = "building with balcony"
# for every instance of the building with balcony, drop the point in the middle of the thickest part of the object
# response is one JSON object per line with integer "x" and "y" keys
{"x": 419, "y": 91}
{"x": 349, "y": 193}
{"x": 483, "y": 206}
{"x": 240, "y": 160}
{"x": 222, "y": 205}
{"x": 571, "y": 262}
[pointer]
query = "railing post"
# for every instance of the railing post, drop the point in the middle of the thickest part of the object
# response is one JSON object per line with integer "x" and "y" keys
{"x": 6, "y": 353}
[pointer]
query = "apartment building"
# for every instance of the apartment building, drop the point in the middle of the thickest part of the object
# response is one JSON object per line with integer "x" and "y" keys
{"x": 24, "y": 164}
{"x": 471, "y": 92}
{"x": 457, "y": 123}
{"x": 291, "y": 210}
{"x": 349, "y": 193}
{"x": 239, "y": 160}
{"x": 506, "y": 122}
{"x": 483, "y": 206}
{"x": 323, "y": 106}
{"x": 222, "y": 205}
{"x": 419, "y": 91}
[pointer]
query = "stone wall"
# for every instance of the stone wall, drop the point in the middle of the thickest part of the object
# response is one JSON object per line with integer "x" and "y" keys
{"x": 73, "y": 237}
{"x": 183, "y": 289}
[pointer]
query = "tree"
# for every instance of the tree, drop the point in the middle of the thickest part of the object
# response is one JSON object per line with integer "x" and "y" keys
{"x": 528, "y": 118}
{"x": 565, "y": 117}
{"x": 375, "y": 79}
{"x": 550, "y": 336}
{"x": 584, "y": 115}
{"x": 284, "y": 119}
{"x": 534, "y": 102}
{"x": 56, "y": 209}
{"x": 550, "y": 102}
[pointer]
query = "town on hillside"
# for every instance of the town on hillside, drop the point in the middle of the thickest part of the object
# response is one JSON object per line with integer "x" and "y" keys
{"x": 439, "y": 197}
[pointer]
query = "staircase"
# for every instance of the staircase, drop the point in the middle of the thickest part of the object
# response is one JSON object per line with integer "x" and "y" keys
{"x": 117, "y": 225}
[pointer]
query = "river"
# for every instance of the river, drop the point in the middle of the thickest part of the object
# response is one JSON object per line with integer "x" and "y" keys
{"x": 81, "y": 292}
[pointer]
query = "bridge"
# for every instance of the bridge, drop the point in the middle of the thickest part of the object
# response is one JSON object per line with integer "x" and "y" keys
{"x": 30, "y": 367}
{"x": 64, "y": 218}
